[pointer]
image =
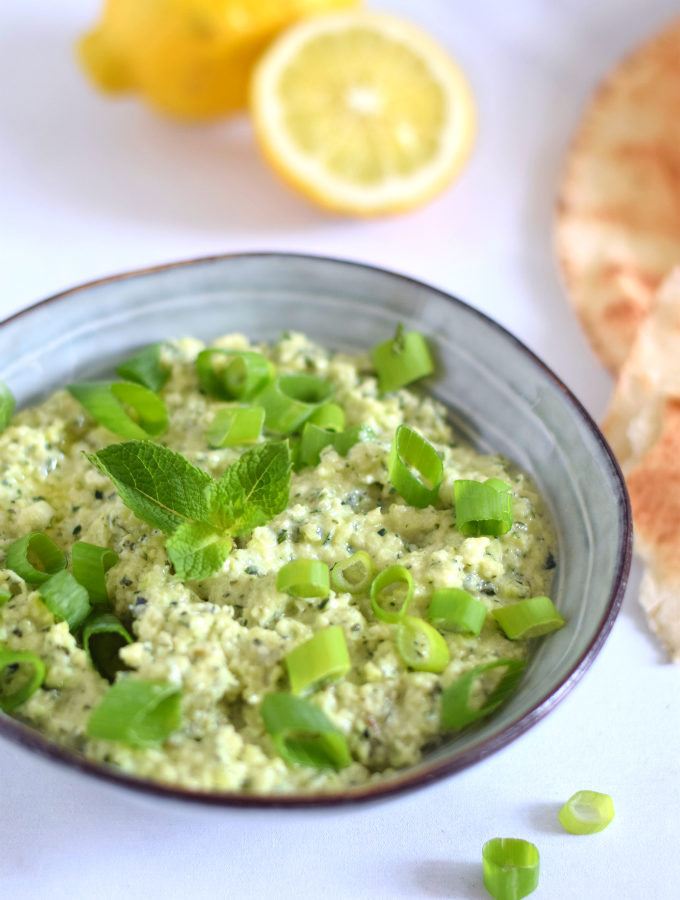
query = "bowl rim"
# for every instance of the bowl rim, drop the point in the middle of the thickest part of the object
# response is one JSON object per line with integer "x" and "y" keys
{"x": 406, "y": 780}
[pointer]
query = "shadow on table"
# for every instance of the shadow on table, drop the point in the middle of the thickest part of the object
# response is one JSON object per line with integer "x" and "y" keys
{"x": 113, "y": 157}
{"x": 450, "y": 879}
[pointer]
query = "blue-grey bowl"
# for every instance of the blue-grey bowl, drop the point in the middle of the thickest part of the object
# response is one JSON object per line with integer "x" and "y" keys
{"x": 501, "y": 398}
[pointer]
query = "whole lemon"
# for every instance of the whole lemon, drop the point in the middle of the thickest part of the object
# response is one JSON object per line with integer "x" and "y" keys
{"x": 188, "y": 58}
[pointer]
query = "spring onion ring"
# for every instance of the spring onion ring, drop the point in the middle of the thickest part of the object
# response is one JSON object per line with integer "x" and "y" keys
{"x": 391, "y": 593}
{"x": 304, "y": 578}
{"x": 453, "y": 609}
{"x": 138, "y": 713}
{"x": 510, "y": 868}
{"x": 321, "y": 659}
{"x": 586, "y": 812}
{"x": 35, "y": 558}
{"x": 302, "y": 734}
{"x": 12, "y": 696}
{"x": 421, "y": 646}
{"x": 415, "y": 468}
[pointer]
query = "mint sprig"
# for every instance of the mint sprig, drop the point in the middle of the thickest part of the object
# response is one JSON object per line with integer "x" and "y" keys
{"x": 167, "y": 491}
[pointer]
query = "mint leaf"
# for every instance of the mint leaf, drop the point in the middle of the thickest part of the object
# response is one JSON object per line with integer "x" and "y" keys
{"x": 253, "y": 490}
{"x": 160, "y": 486}
{"x": 196, "y": 551}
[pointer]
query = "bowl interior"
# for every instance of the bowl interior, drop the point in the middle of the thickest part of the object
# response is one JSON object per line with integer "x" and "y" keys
{"x": 500, "y": 396}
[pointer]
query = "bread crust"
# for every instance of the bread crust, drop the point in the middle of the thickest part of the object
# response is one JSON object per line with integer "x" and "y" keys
{"x": 618, "y": 211}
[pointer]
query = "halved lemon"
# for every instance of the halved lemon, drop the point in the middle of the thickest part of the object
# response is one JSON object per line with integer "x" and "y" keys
{"x": 363, "y": 113}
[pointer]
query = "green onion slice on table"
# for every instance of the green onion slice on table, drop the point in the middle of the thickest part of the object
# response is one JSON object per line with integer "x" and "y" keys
{"x": 66, "y": 599}
{"x": 233, "y": 374}
{"x": 35, "y": 558}
{"x": 146, "y": 368}
{"x": 323, "y": 658}
{"x": 137, "y": 713}
{"x": 291, "y": 399}
{"x": 304, "y": 578}
{"x": 353, "y": 575}
{"x": 391, "y": 593}
{"x": 21, "y": 674}
{"x": 415, "y": 468}
{"x": 528, "y": 618}
{"x": 90, "y": 564}
{"x": 125, "y": 408}
{"x": 482, "y": 507}
{"x": 510, "y": 868}
{"x": 235, "y": 425}
{"x": 453, "y": 609}
{"x": 470, "y": 698}
{"x": 421, "y": 646}
{"x": 302, "y": 733}
{"x": 586, "y": 812}
{"x": 401, "y": 360}
{"x": 103, "y": 636}
{"x": 7, "y": 404}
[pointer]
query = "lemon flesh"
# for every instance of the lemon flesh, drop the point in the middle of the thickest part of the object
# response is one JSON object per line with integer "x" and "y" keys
{"x": 362, "y": 112}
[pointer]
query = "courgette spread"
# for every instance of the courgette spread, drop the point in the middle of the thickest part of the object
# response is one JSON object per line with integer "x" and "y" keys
{"x": 205, "y": 615}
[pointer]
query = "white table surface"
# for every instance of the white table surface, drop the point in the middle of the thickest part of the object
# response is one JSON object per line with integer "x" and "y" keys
{"x": 92, "y": 187}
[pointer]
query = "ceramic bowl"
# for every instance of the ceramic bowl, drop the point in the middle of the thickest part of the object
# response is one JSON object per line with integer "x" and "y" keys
{"x": 501, "y": 398}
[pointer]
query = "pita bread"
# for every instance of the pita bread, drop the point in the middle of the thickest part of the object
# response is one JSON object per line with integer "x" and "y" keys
{"x": 643, "y": 428}
{"x": 654, "y": 487}
{"x": 618, "y": 217}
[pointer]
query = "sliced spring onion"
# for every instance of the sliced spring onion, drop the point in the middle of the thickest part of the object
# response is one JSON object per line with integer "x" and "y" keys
{"x": 401, "y": 360}
{"x": 312, "y": 442}
{"x": 127, "y": 409}
{"x": 26, "y": 674}
{"x": 65, "y": 599}
{"x": 482, "y": 508}
{"x": 528, "y": 618}
{"x": 235, "y": 426}
{"x": 304, "y": 578}
{"x": 233, "y": 374}
{"x": 510, "y": 868}
{"x": 314, "y": 439}
{"x": 7, "y": 404}
{"x": 586, "y": 812}
{"x": 467, "y": 699}
{"x": 453, "y": 609}
{"x": 90, "y": 564}
{"x": 391, "y": 593}
{"x": 329, "y": 416}
{"x": 291, "y": 399}
{"x": 345, "y": 440}
{"x": 302, "y": 734}
{"x": 420, "y": 646}
{"x": 103, "y": 637}
{"x": 146, "y": 368}
{"x": 353, "y": 575}
{"x": 137, "y": 713}
{"x": 415, "y": 468}
{"x": 4, "y": 597}
{"x": 321, "y": 659}
{"x": 35, "y": 558}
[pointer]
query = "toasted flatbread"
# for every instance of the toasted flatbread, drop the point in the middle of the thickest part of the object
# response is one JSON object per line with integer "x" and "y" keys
{"x": 618, "y": 215}
{"x": 643, "y": 428}
{"x": 654, "y": 487}
{"x": 649, "y": 377}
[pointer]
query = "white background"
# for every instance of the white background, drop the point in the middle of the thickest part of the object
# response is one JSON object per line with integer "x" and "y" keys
{"x": 91, "y": 187}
